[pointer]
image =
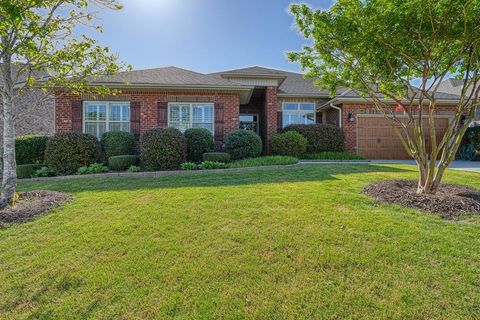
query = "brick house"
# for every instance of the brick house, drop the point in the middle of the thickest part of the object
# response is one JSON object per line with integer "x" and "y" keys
{"x": 258, "y": 99}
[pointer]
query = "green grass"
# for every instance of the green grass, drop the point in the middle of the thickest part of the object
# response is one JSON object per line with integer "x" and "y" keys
{"x": 331, "y": 156}
{"x": 263, "y": 161}
{"x": 271, "y": 243}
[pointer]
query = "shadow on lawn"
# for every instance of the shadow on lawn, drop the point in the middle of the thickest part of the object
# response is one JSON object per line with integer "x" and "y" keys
{"x": 209, "y": 179}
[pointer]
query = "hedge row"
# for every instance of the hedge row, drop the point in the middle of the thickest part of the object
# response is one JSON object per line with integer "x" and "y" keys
{"x": 167, "y": 148}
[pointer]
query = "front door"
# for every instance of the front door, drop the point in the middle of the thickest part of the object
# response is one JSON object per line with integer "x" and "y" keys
{"x": 249, "y": 122}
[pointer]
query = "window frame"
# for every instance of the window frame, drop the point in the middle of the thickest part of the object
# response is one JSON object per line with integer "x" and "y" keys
{"x": 191, "y": 121}
{"x": 107, "y": 120}
{"x": 299, "y": 111}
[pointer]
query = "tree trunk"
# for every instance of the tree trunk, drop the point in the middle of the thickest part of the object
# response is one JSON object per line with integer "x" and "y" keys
{"x": 9, "y": 173}
{"x": 426, "y": 179}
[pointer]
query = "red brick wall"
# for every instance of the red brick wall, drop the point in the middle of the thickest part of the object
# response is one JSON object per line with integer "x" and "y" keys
{"x": 331, "y": 117}
{"x": 149, "y": 100}
{"x": 270, "y": 114}
{"x": 350, "y": 128}
{"x": 63, "y": 111}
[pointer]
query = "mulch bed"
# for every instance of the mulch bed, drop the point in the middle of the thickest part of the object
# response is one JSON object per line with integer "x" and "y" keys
{"x": 450, "y": 201}
{"x": 31, "y": 205}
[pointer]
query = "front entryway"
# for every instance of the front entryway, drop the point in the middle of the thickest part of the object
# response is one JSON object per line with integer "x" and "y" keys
{"x": 250, "y": 122}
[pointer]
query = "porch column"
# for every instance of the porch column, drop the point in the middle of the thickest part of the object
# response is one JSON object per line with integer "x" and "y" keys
{"x": 271, "y": 107}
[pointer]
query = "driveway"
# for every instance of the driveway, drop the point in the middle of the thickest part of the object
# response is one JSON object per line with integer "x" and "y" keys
{"x": 461, "y": 165}
{"x": 456, "y": 165}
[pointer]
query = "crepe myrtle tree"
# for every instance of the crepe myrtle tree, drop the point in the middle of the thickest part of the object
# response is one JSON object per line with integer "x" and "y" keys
{"x": 379, "y": 47}
{"x": 41, "y": 46}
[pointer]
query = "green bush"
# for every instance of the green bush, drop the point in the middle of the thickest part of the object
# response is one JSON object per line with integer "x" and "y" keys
{"x": 320, "y": 137}
{"x": 210, "y": 165}
{"x": 473, "y": 136}
{"x": 243, "y": 144}
{"x": 290, "y": 143}
{"x": 116, "y": 143}
{"x": 216, "y": 157}
{"x": 134, "y": 169}
{"x": 93, "y": 168}
{"x": 264, "y": 161}
{"x": 68, "y": 151}
{"x": 189, "y": 166}
{"x": 30, "y": 149}
{"x": 25, "y": 171}
{"x": 199, "y": 141}
{"x": 44, "y": 171}
{"x": 123, "y": 162}
{"x": 163, "y": 149}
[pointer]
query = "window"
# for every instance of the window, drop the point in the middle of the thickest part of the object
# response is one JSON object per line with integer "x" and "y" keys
{"x": 184, "y": 116}
{"x": 298, "y": 113}
{"x": 101, "y": 117}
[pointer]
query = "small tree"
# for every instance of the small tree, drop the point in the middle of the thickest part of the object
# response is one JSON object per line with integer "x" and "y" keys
{"x": 379, "y": 47}
{"x": 38, "y": 41}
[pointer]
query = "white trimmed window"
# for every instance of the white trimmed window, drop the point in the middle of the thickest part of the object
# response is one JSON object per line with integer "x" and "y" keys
{"x": 184, "y": 116}
{"x": 101, "y": 117}
{"x": 298, "y": 113}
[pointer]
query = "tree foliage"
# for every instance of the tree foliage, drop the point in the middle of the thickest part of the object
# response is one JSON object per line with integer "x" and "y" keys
{"x": 378, "y": 47}
{"x": 41, "y": 45}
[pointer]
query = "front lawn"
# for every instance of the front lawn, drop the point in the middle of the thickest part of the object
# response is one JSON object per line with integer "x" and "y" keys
{"x": 271, "y": 243}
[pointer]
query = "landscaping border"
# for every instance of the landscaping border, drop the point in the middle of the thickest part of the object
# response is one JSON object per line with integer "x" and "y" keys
{"x": 154, "y": 173}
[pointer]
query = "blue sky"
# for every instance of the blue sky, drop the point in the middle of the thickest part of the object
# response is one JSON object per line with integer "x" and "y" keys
{"x": 203, "y": 35}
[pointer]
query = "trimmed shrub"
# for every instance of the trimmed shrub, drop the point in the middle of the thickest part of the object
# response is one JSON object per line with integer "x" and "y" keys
{"x": 199, "y": 141}
{"x": 123, "y": 162}
{"x": 210, "y": 165}
{"x": 189, "y": 166}
{"x": 290, "y": 143}
{"x": 163, "y": 149}
{"x": 320, "y": 137}
{"x": 117, "y": 143}
{"x": 93, "y": 168}
{"x": 68, "y": 151}
{"x": 264, "y": 161}
{"x": 243, "y": 144}
{"x": 25, "y": 171}
{"x": 30, "y": 149}
{"x": 216, "y": 157}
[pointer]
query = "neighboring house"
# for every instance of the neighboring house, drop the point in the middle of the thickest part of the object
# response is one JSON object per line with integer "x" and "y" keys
{"x": 34, "y": 114}
{"x": 258, "y": 99}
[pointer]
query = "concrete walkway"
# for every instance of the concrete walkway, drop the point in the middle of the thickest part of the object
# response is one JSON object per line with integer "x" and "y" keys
{"x": 461, "y": 165}
{"x": 473, "y": 166}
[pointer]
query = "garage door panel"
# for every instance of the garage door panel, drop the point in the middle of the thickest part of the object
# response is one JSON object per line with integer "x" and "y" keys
{"x": 376, "y": 138}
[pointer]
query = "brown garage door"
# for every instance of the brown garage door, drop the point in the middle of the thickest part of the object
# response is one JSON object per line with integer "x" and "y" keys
{"x": 376, "y": 138}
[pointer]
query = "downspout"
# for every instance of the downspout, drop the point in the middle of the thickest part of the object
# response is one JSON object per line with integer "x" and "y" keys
{"x": 339, "y": 114}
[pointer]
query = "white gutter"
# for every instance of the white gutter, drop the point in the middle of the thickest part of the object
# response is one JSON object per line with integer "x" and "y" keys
{"x": 339, "y": 114}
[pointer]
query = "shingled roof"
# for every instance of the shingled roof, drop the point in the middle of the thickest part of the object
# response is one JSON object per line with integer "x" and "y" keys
{"x": 168, "y": 76}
